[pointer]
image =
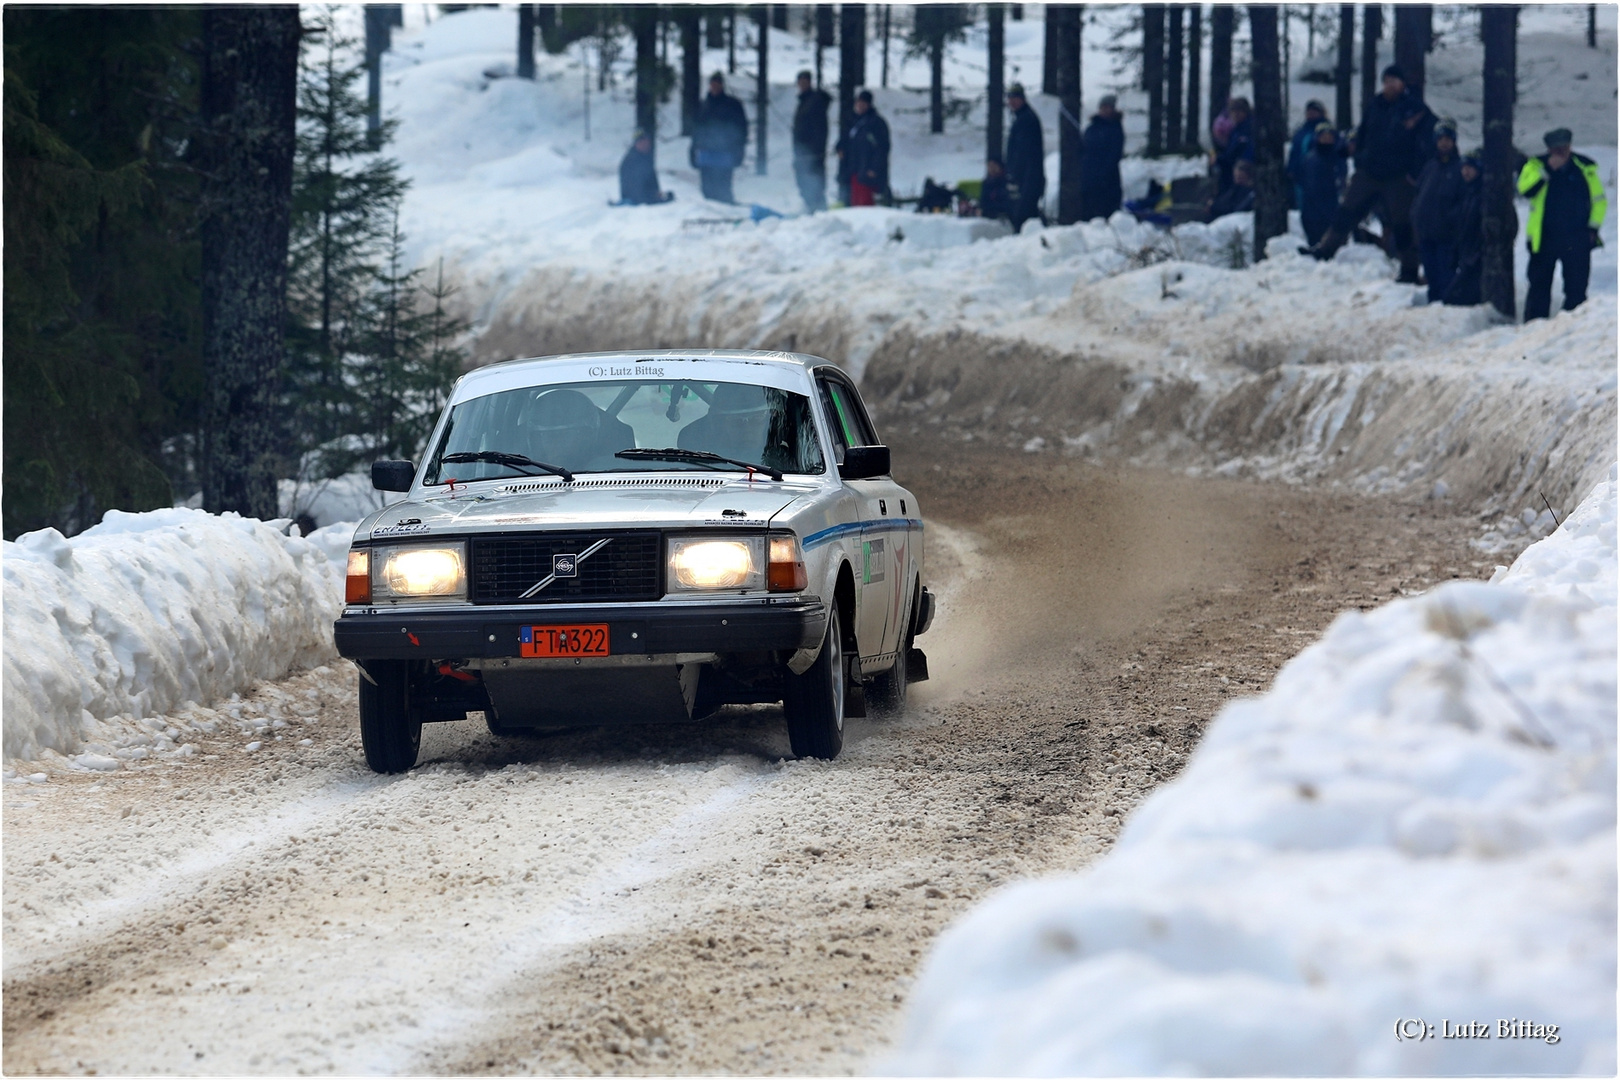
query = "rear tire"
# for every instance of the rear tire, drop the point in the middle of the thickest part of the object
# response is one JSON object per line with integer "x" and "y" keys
{"x": 814, "y": 701}
{"x": 887, "y": 692}
{"x": 391, "y": 735}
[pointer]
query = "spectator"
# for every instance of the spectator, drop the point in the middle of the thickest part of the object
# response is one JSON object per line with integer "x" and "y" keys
{"x": 1025, "y": 158}
{"x": 1239, "y": 145}
{"x": 719, "y": 137}
{"x": 866, "y": 153}
{"x": 1104, "y": 142}
{"x": 1300, "y": 146}
{"x": 1237, "y": 198}
{"x": 638, "y": 178}
{"x": 1321, "y": 181}
{"x": 1567, "y": 205}
{"x": 1464, "y": 290}
{"x": 1391, "y": 146}
{"x": 810, "y": 143}
{"x": 1435, "y": 212}
{"x": 993, "y": 199}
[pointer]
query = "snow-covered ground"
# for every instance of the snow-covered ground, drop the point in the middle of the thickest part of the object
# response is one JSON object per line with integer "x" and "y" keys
{"x": 1412, "y": 832}
{"x": 148, "y": 614}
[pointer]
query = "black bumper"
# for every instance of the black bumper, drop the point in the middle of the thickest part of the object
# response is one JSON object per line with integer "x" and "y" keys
{"x": 789, "y": 624}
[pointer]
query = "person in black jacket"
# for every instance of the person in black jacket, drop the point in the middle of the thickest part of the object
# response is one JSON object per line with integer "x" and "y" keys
{"x": 1391, "y": 146}
{"x": 1104, "y": 142}
{"x": 1237, "y": 198}
{"x": 638, "y": 178}
{"x": 810, "y": 143}
{"x": 1239, "y": 145}
{"x": 1434, "y": 212}
{"x": 865, "y": 154}
{"x": 1320, "y": 177}
{"x": 1299, "y": 146}
{"x": 1025, "y": 159}
{"x": 719, "y": 137}
{"x": 994, "y": 201}
{"x": 1465, "y": 290}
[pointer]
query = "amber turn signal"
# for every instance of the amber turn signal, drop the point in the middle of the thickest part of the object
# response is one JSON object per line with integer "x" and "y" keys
{"x": 357, "y": 583}
{"x": 786, "y": 571}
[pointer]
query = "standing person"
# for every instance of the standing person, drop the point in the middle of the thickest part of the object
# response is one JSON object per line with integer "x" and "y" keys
{"x": 1391, "y": 146}
{"x": 810, "y": 143}
{"x": 1025, "y": 159}
{"x": 865, "y": 153}
{"x": 1104, "y": 142}
{"x": 1239, "y": 145}
{"x": 1567, "y": 206}
{"x": 719, "y": 137}
{"x": 638, "y": 178}
{"x": 1321, "y": 181}
{"x": 1464, "y": 290}
{"x": 1434, "y": 212}
{"x": 1300, "y": 146}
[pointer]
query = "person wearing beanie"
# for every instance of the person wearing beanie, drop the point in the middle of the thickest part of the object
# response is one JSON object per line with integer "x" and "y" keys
{"x": 1321, "y": 181}
{"x": 719, "y": 139}
{"x": 1435, "y": 209}
{"x": 864, "y": 154}
{"x": 1567, "y": 206}
{"x": 1391, "y": 145}
{"x": 1465, "y": 282}
{"x": 1025, "y": 158}
{"x": 1300, "y": 145}
{"x": 638, "y": 176}
{"x": 810, "y": 143}
{"x": 1104, "y": 141}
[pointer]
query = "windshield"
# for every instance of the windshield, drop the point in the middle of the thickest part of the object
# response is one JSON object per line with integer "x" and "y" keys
{"x": 580, "y": 426}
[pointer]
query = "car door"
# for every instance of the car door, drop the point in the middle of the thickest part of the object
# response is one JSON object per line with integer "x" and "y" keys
{"x": 885, "y": 535}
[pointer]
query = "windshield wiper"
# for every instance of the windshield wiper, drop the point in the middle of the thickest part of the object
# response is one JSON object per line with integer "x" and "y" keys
{"x": 698, "y": 457}
{"x": 511, "y": 461}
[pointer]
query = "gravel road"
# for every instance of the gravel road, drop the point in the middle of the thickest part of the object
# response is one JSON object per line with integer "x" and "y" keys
{"x": 677, "y": 900}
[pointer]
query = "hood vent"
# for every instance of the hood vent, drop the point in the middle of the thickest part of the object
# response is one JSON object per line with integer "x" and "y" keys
{"x": 708, "y": 483}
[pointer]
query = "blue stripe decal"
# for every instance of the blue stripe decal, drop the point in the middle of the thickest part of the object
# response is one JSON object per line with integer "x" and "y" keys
{"x": 827, "y": 536}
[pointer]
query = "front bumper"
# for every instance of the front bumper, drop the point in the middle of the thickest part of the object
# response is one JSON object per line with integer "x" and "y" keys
{"x": 788, "y": 623}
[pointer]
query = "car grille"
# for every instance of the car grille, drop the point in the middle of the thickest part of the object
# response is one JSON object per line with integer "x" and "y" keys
{"x": 628, "y": 567}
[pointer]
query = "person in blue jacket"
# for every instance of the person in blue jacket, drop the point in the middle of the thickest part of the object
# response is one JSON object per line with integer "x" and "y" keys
{"x": 1104, "y": 146}
{"x": 1320, "y": 176}
{"x": 1300, "y": 145}
{"x": 719, "y": 139}
{"x": 638, "y": 178}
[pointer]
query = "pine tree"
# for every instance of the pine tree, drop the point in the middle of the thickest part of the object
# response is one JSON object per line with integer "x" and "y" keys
{"x": 343, "y": 201}
{"x": 933, "y": 28}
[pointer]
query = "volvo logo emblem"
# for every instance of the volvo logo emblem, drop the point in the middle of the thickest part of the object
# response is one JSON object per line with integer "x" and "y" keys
{"x": 564, "y": 566}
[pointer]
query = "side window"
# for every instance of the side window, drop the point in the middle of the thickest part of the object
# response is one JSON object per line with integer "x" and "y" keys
{"x": 842, "y": 435}
{"x": 847, "y": 416}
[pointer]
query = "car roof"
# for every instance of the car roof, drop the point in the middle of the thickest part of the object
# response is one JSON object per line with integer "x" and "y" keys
{"x": 506, "y": 368}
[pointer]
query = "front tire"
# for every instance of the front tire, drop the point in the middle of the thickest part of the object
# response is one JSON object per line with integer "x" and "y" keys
{"x": 391, "y": 735}
{"x": 814, "y": 701}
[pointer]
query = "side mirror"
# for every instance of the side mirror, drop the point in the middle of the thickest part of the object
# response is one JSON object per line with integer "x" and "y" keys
{"x": 864, "y": 462}
{"x": 392, "y": 475}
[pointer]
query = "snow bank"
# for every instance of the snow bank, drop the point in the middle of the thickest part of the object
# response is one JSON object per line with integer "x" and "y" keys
{"x": 1415, "y": 826}
{"x": 145, "y": 612}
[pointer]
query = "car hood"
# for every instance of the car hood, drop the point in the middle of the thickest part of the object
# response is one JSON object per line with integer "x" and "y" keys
{"x": 589, "y": 503}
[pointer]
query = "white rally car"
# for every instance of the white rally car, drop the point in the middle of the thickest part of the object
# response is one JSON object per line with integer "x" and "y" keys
{"x": 638, "y": 537}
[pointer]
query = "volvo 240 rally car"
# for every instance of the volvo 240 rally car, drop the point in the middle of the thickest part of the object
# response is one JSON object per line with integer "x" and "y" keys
{"x": 635, "y": 538}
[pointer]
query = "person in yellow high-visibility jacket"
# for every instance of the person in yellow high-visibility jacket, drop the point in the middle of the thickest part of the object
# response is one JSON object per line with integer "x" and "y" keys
{"x": 1567, "y": 205}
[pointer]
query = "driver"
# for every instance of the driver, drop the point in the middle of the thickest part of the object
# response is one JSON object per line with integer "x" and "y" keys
{"x": 737, "y": 425}
{"x": 564, "y": 428}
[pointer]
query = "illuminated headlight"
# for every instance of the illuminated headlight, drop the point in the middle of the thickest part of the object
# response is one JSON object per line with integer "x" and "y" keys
{"x": 698, "y": 564}
{"x": 410, "y": 573}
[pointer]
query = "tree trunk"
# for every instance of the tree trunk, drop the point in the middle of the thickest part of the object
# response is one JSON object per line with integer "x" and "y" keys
{"x": 1172, "y": 81}
{"x": 825, "y": 35}
{"x": 1591, "y": 26}
{"x": 644, "y": 27}
{"x": 1499, "y": 27}
{"x": 995, "y": 107}
{"x": 779, "y": 17}
{"x": 1195, "y": 74}
{"x": 1270, "y": 129}
{"x": 378, "y": 35}
{"x": 1070, "y": 147}
{"x": 1153, "y": 74}
{"x": 887, "y": 8}
{"x": 1414, "y": 30}
{"x": 545, "y": 25}
{"x": 715, "y": 28}
{"x": 1049, "y": 56}
{"x": 1372, "y": 29}
{"x": 851, "y": 61}
{"x": 1344, "y": 117}
{"x": 1287, "y": 62}
{"x": 936, "y": 87}
{"x": 762, "y": 87}
{"x": 1221, "y": 19}
{"x": 525, "y": 59}
{"x": 248, "y": 91}
{"x": 731, "y": 42}
{"x": 691, "y": 65}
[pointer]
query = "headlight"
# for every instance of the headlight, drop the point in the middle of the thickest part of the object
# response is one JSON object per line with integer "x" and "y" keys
{"x": 414, "y": 572}
{"x": 699, "y": 564}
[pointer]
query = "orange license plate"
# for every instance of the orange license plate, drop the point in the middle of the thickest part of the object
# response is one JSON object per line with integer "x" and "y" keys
{"x": 588, "y": 639}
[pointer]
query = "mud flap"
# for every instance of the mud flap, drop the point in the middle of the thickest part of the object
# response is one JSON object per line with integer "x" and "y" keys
{"x": 854, "y": 690}
{"x": 916, "y": 666}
